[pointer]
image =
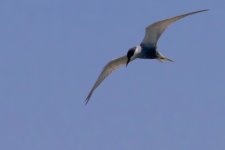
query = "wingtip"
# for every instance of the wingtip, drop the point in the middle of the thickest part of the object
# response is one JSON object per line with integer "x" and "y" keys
{"x": 86, "y": 101}
{"x": 205, "y": 9}
{"x": 199, "y": 11}
{"x": 88, "y": 98}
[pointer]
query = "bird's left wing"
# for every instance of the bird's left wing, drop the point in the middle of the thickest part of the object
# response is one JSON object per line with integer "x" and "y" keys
{"x": 154, "y": 31}
{"x": 108, "y": 69}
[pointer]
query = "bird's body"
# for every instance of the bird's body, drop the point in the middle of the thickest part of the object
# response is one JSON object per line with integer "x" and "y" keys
{"x": 146, "y": 50}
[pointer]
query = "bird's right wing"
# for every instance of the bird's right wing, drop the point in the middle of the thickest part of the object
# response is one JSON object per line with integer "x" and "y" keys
{"x": 154, "y": 31}
{"x": 108, "y": 69}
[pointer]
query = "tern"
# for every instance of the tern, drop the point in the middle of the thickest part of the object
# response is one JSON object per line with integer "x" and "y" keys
{"x": 146, "y": 50}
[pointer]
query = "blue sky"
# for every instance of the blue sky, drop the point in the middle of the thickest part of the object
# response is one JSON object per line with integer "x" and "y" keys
{"x": 53, "y": 50}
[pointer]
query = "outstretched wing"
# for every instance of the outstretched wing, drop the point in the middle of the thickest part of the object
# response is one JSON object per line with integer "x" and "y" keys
{"x": 107, "y": 70}
{"x": 154, "y": 31}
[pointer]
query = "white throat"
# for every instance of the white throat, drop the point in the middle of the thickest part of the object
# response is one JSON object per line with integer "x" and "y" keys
{"x": 136, "y": 52}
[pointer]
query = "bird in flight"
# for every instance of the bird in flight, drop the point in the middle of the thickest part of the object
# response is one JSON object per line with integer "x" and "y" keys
{"x": 146, "y": 50}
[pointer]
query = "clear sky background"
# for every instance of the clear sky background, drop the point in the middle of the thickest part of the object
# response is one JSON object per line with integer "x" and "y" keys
{"x": 51, "y": 52}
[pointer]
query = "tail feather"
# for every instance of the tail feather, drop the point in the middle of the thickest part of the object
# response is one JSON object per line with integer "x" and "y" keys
{"x": 162, "y": 58}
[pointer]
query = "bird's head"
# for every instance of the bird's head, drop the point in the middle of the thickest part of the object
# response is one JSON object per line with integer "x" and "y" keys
{"x": 130, "y": 53}
{"x": 133, "y": 53}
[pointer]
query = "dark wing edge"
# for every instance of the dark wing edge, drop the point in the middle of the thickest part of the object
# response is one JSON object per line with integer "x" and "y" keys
{"x": 154, "y": 31}
{"x": 107, "y": 70}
